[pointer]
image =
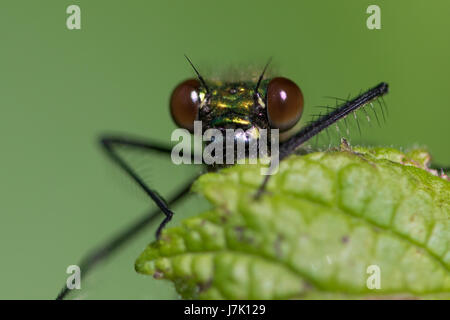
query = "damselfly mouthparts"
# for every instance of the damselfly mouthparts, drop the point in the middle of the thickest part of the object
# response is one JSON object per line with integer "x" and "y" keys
{"x": 249, "y": 107}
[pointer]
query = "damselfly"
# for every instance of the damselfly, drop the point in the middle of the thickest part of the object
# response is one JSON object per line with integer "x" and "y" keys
{"x": 251, "y": 107}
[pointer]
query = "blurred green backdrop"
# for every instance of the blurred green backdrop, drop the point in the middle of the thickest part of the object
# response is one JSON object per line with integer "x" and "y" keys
{"x": 60, "y": 89}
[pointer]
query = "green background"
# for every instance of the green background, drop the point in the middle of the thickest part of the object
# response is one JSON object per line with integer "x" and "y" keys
{"x": 60, "y": 89}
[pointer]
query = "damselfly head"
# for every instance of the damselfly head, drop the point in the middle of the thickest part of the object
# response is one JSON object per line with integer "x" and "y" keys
{"x": 275, "y": 103}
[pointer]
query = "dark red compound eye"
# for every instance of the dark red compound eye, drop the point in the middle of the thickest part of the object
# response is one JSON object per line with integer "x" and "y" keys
{"x": 184, "y": 104}
{"x": 284, "y": 103}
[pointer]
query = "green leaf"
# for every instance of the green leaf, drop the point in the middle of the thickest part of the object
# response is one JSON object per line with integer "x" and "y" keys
{"x": 325, "y": 218}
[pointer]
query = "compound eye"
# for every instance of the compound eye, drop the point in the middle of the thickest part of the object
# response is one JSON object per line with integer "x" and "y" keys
{"x": 184, "y": 104}
{"x": 284, "y": 103}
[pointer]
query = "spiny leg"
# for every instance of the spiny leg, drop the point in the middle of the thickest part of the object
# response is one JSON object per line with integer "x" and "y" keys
{"x": 323, "y": 122}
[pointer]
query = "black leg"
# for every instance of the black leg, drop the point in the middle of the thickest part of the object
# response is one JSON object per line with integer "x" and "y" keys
{"x": 323, "y": 122}
{"x": 109, "y": 144}
{"x": 106, "y": 250}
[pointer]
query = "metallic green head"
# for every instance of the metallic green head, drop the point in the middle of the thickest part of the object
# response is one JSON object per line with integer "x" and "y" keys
{"x": 247, "y": 107}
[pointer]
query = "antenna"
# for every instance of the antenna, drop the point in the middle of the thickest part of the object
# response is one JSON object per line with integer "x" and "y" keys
{"x": 198, "y": 74}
